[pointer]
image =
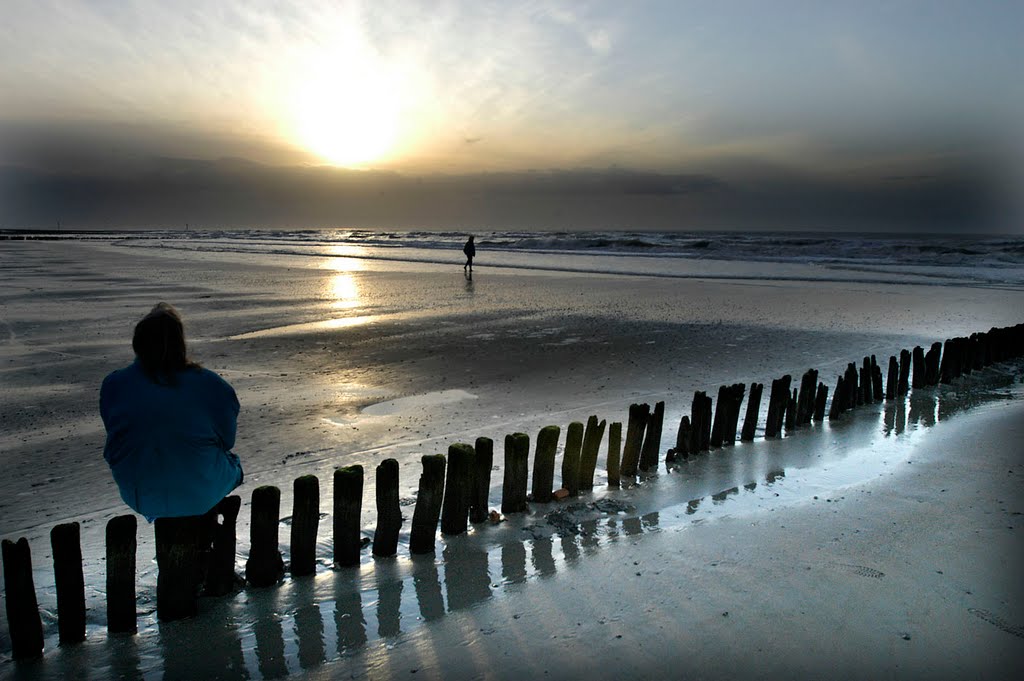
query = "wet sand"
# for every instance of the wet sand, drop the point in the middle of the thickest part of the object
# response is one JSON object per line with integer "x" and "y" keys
{"x": 520, "y": 349}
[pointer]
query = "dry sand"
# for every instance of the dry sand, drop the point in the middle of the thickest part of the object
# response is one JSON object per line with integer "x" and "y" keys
{"x": 809, "y": 585}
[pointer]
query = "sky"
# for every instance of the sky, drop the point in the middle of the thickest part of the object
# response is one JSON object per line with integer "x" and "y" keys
{"x": 551, "y": 115}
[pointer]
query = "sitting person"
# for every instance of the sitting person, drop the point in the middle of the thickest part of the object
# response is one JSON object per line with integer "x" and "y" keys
{"x": 170, "y": 425}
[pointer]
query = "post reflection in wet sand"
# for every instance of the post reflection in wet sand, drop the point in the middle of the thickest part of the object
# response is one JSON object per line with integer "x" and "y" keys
{"x": 513, "y": 562}
{"x": 269, "y": 636}
{"x": 466, "y": 577}
{"x": 309, "y": 625}
{"x": 348, "y": 611}
{"x": 389, "y": 598}
{"x": 426, "y": 582}
{"x": 543, "y": 560}
{"x": 123, "y": 653}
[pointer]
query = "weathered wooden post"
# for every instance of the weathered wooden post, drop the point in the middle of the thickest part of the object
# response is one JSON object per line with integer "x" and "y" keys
{"x": 904, "y": 380}
{"x": 753, "y": 410}
{"x": 544, "y": 463}
{"x": 614, "y": 452}
{"x": 778, "y": 401}
{"x": 571, "y": 458}
{"x": 820, "y": 400}
{"x": 682, "y": 448}
{"x": 121, "y": 545}
{"x": 513, "y": 488}
{"x": 866, "y": 381}
{"x": 918, "y": 380}
{"x": 838, "y": 400}
{"x": 457, "y": 489}
{"x": 946, "y": 374}
{"x": 265, "y": 565}
{"x": 704, "y": 434}
{"x": 652, "y": 439}
{"x": 638, "y": 417}
{"x": 305, "y": 522}
{"x": 791, "y": 412}
{"x": 389, "y": 512}
{"x": 591, "y": 446}
{"x": 65, "y": 540}
{"x": 428, "y": 505}
{"x": 348, "y": 500}
{"x": 805, "y": 402}
{"x": 23, "y": 621}
{"x": 876, "y": 380}
{"x": 892, "y": 379}
{"x": 483, "y": 460}
{"x": 220, "y": 575}
{"x": 721, "y": 408}
{"x": 931, "y": 361}
{"x": 178, "y": 573}
{"x": 732, "y": 423}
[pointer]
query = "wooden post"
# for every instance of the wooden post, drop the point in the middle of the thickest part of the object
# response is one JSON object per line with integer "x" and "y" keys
{"x": 544, "y": 463}
{"x": 178, "y": 571}
{"x": 791, "y": 412}
{"x": 121, "y": 546}
{"x": 820, "y": 400}
{"x": 428, "y": 505}
{"x": 778, "y": 401}
{"x": 721, "y": 407}
{"x": 753, "y": 410}
{"x": 348, "y": 500}
{"x": 23, "y": 621}
{"x": 591, "y": 446}
{"x": 305, "y": 522}
{"x": 65, "y": 539}
{"x": 571, "y": 458}
{"x": 389, "y": 513}
{"x": 736, "y": 392}
{"x": 682, "y": 448}
{"x": 513, "y": 488}
{"x": 805, "y": 402}
{"x": 652, "y": 440}
{"x": 946, "y": 368}
{"x": 614, "y": 452}
{"x": 876, "y": 380}
{"x": 703, "y": 432}
{"x": 638, "y": 416}
{"x": 904, "y": 380}
{"x": 919, "y": 368}
{"x": 931, "y": 361}
{"x": 892, "y": 379}
{"x": 265, "y": 565}
{"x": 457, "y": 489}
{"x": 838, "y": 400}
{"x": 483, "y": 460}
{"x": 220, "y": 576}
{"x": 866, "y": 381}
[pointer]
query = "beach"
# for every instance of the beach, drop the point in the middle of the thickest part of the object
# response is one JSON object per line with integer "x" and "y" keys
{"x": 848, "y": 546}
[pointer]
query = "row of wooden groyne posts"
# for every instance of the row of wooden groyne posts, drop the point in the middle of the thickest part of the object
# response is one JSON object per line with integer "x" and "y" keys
{"x": 197, "y": 554}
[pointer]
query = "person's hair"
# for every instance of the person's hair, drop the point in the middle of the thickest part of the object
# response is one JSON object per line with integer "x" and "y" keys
{"x": 159, "y": 344}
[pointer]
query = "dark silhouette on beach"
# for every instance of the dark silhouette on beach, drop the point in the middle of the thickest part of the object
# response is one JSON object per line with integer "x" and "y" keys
{"x": 470, "y": 250}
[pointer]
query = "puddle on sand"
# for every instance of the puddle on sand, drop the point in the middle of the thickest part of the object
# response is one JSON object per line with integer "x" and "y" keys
{"x": 309, "y": 327}
{"x": 404, "y": 405}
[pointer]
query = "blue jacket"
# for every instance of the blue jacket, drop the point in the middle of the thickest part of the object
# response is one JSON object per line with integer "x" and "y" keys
{"x": 169, "y": 447}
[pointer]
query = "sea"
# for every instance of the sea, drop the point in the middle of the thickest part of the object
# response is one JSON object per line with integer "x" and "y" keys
{"x": 920, "y": 258}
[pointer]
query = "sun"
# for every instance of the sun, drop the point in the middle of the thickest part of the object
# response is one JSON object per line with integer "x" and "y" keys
{"x": 346, "y": 113}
